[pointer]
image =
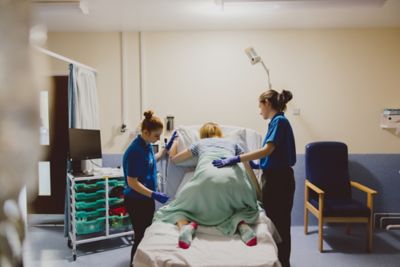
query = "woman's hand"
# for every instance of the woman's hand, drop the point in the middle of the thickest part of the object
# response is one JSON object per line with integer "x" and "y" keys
{"x": 254, "y": 165}
{"x": 167, "y": 149}
{"x": 160, "y": 197}
{"x": 171, "y": 140}
{"x": 223, "y": 162}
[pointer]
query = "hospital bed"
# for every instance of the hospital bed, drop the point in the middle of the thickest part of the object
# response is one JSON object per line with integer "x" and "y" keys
{"x": 159, "y": 247}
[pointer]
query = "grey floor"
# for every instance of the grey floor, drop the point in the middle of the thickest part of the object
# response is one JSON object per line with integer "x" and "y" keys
{"x": 46, "y": 247}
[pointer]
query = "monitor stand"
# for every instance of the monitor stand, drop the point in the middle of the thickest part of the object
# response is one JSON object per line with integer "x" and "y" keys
{"x": 82, "y": 174}
{"x": 76, "y": 170}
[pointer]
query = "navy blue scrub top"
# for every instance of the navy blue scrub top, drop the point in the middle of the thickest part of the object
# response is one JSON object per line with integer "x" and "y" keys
{"x": 139, "y": 162}
{"x": 279, "y": 133}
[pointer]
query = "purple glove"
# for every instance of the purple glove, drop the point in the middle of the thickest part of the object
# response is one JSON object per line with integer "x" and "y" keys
{"x": 160, "y": 197}
{"x": 254, "y": 165}
{"x": 219, "y": 163}
{"x": 171, "y": 141}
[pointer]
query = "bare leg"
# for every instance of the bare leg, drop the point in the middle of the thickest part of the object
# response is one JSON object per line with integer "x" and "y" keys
{"x": 182, "y": 223}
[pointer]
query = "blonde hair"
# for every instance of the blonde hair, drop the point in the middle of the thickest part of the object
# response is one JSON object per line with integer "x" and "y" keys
{"x": 209, "y": 130}
{"x": 151, "y": 123}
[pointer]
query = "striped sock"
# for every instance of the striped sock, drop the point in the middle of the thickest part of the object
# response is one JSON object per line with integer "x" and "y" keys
{"x": 186, "y": 235}
{"x": 247, "y": 234}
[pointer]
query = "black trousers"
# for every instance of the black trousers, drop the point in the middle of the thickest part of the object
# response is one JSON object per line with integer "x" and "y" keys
{"x": 277, "y": 193}
{"x": 141, "y": 213}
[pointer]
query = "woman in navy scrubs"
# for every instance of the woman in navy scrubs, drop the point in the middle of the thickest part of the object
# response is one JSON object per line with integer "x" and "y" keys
{"x": 140, "y": 171}
{"x": 277, "y": 155}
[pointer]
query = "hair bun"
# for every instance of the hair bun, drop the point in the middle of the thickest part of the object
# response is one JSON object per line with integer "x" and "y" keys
{"x": 286, "y": 96}
{"x": 148, "y": 114}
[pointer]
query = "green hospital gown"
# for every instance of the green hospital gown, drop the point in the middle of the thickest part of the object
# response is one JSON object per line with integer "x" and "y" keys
{"x": 214, "y": 197}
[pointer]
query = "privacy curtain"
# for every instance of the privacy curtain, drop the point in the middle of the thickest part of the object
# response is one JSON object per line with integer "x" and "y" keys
{"x": 83, "y": 111}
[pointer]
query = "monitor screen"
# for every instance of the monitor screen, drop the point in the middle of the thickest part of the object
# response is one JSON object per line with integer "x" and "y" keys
{"x": 84, "y": 144}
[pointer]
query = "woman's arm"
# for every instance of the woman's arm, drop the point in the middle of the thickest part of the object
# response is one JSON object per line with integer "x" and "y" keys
{"x": 253, "y": 178}
{"x": 180, "y": 157}
{"x": 174, "y": 149}
{"x": 139, "y": 187}
{"x": 176, "y": 157}
{"x": 258, "y": 154}
{"x": 172, "y": 143}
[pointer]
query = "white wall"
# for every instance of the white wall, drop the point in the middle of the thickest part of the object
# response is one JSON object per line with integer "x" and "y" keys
{"x": 341, "y": 80}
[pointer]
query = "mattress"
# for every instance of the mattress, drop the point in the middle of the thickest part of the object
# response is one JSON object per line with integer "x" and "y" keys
{"x": 209, "y": 248}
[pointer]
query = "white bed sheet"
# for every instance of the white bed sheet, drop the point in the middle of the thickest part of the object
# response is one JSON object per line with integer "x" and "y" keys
{"x": 209, "y": 248}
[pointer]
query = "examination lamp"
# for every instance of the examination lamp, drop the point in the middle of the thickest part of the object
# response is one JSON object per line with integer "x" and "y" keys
{"x": 254, "y": 59}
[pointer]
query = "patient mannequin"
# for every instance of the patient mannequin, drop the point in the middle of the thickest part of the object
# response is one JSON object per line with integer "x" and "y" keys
{"x": 223, "y": 199}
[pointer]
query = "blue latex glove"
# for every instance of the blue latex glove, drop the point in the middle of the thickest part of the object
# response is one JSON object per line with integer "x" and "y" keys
{"x": 254, "y": 165}
{"x": 160, "y": 197}
{"x": 223, "y": 162}
{"x": 171, "y": 141}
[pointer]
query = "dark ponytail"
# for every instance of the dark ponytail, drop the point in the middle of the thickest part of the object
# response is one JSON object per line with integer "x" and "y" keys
{"x": 284, "y": 98}
{"x": 277, "y": 100}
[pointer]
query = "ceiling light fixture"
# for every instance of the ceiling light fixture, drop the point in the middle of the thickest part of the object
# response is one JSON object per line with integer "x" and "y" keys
{"x": 377, "y": 3}
{"x": 81, "y": 4}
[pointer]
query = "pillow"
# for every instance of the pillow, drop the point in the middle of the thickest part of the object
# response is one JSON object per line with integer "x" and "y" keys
{"x": 187, "y": 136}
{"x": 238, "y": 136}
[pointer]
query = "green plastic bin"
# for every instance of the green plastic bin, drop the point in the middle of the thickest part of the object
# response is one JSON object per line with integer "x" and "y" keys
{"x": 115, "y": 201}
{"x": 90, "y": 215}
{"x": 84, "y": 186}
{"x": 113, "y": 183}
{"x": 92, "y": 226}
{"x": 83, "y": 205}
{"x": 90, "y": 196}
{"x": 119, "y": 221}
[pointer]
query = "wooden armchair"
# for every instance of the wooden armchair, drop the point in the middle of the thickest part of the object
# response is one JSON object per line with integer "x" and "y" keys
{"x": 328, "y": 190}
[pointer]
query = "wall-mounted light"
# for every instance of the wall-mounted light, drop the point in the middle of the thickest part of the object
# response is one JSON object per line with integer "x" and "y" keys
{"x": 254, "y": 59}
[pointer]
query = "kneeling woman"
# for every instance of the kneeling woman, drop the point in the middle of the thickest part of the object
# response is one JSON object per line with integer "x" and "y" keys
{"x": 225, "y": 198}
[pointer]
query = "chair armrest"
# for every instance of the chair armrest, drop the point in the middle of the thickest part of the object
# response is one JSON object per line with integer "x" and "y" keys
{"x": 321, "y": 194}
{"x": 363, "y": 188}
{"x": 370, "y": 192}
{"x": 315, "y": 188}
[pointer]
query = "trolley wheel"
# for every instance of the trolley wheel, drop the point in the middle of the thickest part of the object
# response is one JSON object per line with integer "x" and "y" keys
{"x": 74, "y": 256}
{"x": 70, "y": 243}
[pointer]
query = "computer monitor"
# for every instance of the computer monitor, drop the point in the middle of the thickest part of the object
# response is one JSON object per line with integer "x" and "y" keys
{"x": 83, "y": 144}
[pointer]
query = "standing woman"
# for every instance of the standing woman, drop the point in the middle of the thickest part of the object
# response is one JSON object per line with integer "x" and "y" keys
{"x": 277, "y": 155}
{"x": 140, "y": 171}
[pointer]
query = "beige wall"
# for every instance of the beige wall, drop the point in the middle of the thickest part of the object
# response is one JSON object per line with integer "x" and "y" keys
{"x": 102, "y": 51}
{"x": 341, "y": 80}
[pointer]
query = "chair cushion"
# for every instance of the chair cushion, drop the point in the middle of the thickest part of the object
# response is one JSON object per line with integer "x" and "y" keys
{"x": 341, "y": 208}
{"x": 327, "y": 168}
